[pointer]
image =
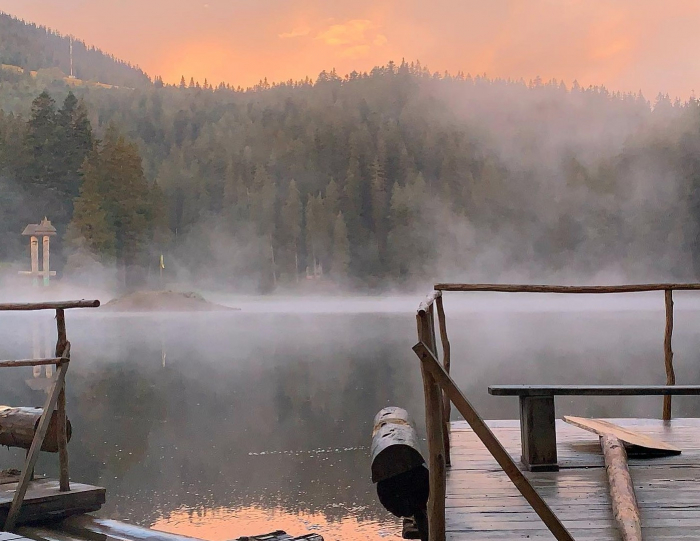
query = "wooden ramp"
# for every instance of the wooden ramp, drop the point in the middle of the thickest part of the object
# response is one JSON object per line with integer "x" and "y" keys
{"x": 44, "y": 501}
{"x": 482, "y": 503}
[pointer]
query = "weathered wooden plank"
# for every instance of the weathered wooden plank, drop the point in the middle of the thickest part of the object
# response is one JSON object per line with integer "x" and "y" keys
{"x": 479, "y": 494}
{"x": 528, "y": 288}
{"x": 593, "y": 390}
{"x": 602, "y": 427}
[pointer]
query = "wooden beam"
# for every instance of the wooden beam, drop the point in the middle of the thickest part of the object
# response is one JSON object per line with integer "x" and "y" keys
{"x": 31, "y": 362}
{"x": 668, "y": 352}
{"x": 62, "y": 349}
{"x": 526, "y": 288}
{"x": 49, "y": 305}
{"x": 624, "y": 501}
{"x": 33, "y": 455}
{"x": 593, "y": 390}
{"x": 446, "y": 362}
{"x": 432, "y": 366}
{"x": 428, "y": 302}
{"x": 434, "y": 432}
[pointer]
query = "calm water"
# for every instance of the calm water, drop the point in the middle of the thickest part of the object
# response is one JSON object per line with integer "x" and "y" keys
{"x": 230, "y": 424}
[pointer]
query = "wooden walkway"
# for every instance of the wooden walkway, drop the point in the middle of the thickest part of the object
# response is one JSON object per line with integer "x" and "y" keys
{"x": 481, "y": 502}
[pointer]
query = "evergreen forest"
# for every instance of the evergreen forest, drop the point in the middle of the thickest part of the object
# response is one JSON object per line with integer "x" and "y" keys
{"x": 393, "y": 177}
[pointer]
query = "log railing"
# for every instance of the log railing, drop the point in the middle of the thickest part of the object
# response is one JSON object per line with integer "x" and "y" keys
{"x": 56, "y": 400}
{"x": 440, "y": 391}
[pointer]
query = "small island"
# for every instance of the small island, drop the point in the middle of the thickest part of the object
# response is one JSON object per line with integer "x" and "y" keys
{"x": 163, "y": 301}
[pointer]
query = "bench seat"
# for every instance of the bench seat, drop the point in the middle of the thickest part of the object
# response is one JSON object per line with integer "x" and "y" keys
{"x": 537, "y": 432}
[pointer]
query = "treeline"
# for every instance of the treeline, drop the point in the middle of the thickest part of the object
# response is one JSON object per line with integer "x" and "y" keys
{"x": 94, "y": 190}
{"x": 33, "y": 48}
{"x": 401, "y": 174}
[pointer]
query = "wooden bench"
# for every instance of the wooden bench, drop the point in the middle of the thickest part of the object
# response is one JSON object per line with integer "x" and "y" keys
{"x": 537, "y": 431}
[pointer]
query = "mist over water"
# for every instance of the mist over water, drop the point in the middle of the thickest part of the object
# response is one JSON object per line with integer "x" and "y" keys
{"x": 225, "y": 424}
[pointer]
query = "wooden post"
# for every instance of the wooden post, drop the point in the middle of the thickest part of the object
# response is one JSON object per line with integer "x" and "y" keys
{"x": 434, "y": 429}
{"x": 33, "y": 454}
{"x": 432, "y": 366}
{"x": 668, "y": 352}
{"x": 624, "y": 501}
{"x": 45, "y": 259}
{"x": 34, "y": 251}
{"x": 62, "y": 350}
{"x": 446, "y": 362}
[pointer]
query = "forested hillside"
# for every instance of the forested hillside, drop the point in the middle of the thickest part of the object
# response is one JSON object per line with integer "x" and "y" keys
{"x": 33, "y": 48}
{"x": 372, "y": 179}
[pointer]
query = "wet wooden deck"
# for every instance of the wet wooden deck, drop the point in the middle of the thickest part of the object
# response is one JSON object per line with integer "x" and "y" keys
{"x": 44, "y": 501}
{"x": 483, "y": 504}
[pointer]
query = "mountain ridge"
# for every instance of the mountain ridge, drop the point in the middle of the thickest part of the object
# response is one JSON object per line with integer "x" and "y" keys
{"x": 33, "y": 47}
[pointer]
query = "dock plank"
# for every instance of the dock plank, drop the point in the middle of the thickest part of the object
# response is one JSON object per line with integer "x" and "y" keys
{"x": 481, "y": 502}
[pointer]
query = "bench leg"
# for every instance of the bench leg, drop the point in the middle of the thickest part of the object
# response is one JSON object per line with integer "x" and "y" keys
{"x": 538, "y": 434}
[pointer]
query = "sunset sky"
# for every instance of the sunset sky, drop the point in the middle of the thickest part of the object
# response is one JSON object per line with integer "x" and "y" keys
{"x": 623, "y": 44}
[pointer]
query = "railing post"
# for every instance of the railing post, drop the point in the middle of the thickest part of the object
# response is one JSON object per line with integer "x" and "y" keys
{"x": 62, "y": 350}
{"x": 434, "y": 428}
{"x": 668, "y": 352}
{"x": 446, "y": 362}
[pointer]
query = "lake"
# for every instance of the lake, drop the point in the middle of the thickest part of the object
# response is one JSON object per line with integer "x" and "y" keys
{"x": 224, "y": 424}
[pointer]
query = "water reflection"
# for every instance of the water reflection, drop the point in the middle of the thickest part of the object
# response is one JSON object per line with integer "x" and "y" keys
{"x": 222, "y": 425}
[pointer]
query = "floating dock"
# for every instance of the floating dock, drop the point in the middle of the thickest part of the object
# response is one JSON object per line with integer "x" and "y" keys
{"x": 481, "y": 502}
{"x": 45, "y": 501}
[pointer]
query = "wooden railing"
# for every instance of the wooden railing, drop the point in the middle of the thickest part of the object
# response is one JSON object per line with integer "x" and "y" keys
{"x": 56, "y": 400}
{"x": 440, "y": 390}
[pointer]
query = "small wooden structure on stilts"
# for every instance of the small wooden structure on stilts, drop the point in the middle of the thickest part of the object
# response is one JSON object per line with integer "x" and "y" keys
{"x": 45, "y": 230}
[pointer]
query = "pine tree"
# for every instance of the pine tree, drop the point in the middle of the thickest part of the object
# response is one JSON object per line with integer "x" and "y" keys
{"x": 125, "y": 193}
{"x": 291, "y": 223}
{"x": 380, "y": 201}
{"x": 340, "y": 263}
{"x": 89, "y": 228}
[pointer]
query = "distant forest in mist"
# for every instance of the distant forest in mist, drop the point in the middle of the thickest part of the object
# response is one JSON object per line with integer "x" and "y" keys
{"x": 397, "y": 176}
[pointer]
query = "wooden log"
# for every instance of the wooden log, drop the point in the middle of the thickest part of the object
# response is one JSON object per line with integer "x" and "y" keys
{"x": 434, "y": 428}
{"x": 18, "y": 426}
{"x": 624, "y": 501}
{"x": 446, "y": 362}
{"x": 526, "y": 288}
{"x": 428, "y": 302}
{"x": 49, "y": 305}
{"x": 31, "y": 362}
{"x": 484, "y": 433}
{"x": 395, "y": 446}
{"x": 668, "y": 352}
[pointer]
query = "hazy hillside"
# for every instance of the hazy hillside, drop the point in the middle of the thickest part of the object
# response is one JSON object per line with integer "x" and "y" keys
{"x": 393, "y": 176}
{"x": 34, "y": 48}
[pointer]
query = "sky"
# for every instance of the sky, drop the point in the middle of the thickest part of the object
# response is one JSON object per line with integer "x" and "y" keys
{"x": 626, "y": 45}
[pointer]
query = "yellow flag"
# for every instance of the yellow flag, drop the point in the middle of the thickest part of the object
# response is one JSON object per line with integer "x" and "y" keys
{"x": 162, "y": 264}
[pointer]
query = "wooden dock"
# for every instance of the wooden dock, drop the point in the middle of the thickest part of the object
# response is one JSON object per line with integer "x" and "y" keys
{"x": 482, "y": 503}
{"x": 44, "y": 501}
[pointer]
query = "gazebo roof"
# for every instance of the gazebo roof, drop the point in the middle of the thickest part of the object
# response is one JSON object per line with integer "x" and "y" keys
{"x": 41, "y": 229}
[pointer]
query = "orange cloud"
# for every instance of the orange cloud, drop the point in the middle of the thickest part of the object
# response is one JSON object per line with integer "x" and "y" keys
{"x": 354, "y": 38}
{"x": 295, "y": 32}
{"x": 349, "y": 33}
